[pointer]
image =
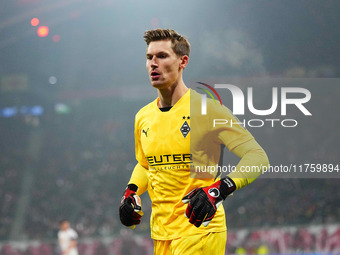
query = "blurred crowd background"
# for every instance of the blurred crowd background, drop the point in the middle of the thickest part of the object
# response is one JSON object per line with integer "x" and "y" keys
{"x": 84, "y": 159}
{"x": 68, "y": 100}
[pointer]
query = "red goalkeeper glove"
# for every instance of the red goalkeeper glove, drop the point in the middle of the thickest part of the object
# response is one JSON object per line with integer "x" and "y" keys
{"x": 203, "y": 202}
{"x": 130, "y": 209}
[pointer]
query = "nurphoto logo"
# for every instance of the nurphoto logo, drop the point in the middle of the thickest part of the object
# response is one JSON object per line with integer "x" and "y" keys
{"x": 301, "y": 97}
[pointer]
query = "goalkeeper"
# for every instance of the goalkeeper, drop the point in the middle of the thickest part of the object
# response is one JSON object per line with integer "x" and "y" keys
{"x": 170, "y": 140}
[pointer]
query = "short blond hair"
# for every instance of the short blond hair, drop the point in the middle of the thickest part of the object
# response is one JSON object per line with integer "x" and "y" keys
{"x": 180, "y": 44}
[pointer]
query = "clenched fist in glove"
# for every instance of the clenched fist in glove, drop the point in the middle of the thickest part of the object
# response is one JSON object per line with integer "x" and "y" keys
{"x": 203, "y": 202}
{"x": 130, "y": 209}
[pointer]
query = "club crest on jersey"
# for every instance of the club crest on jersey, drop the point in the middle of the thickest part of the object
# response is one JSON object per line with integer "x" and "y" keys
{"x": 214, "y": 192}
{"x": 185, "y": 128}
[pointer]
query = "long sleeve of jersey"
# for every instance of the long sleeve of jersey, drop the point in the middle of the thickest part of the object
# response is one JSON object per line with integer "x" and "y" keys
{"x": 238, "y": 140}
{"x": 253, "y": 159}
{"x": 139, "y": 177}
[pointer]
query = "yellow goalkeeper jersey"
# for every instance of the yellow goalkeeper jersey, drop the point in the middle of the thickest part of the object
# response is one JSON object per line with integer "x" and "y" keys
{"x": 167, "y": 152}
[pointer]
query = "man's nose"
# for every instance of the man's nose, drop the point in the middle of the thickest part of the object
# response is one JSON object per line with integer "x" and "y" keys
{"x": 153, "y": 62}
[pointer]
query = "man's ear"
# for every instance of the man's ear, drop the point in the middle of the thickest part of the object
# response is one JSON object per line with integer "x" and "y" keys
{"x": 184, "y": 61}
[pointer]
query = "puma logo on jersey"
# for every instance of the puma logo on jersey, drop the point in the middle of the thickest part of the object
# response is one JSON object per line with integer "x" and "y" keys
{"x": 146, "y": 132}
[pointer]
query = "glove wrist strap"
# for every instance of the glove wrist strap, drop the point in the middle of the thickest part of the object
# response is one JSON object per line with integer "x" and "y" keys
{"x": 227, "y": 187}
{"x": 132, "y": 187}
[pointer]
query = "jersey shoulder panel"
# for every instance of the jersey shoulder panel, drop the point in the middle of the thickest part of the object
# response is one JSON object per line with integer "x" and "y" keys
{"x": 146, "y": 109}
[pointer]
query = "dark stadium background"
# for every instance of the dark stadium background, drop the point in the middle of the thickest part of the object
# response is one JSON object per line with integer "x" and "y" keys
{"x": 68, "y": 100}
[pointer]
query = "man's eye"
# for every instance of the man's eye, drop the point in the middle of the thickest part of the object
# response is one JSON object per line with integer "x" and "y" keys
{"x": 162, "y": 56}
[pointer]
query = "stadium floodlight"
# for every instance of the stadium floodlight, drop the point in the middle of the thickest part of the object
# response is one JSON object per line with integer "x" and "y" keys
{"x": 43, "y": 31}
